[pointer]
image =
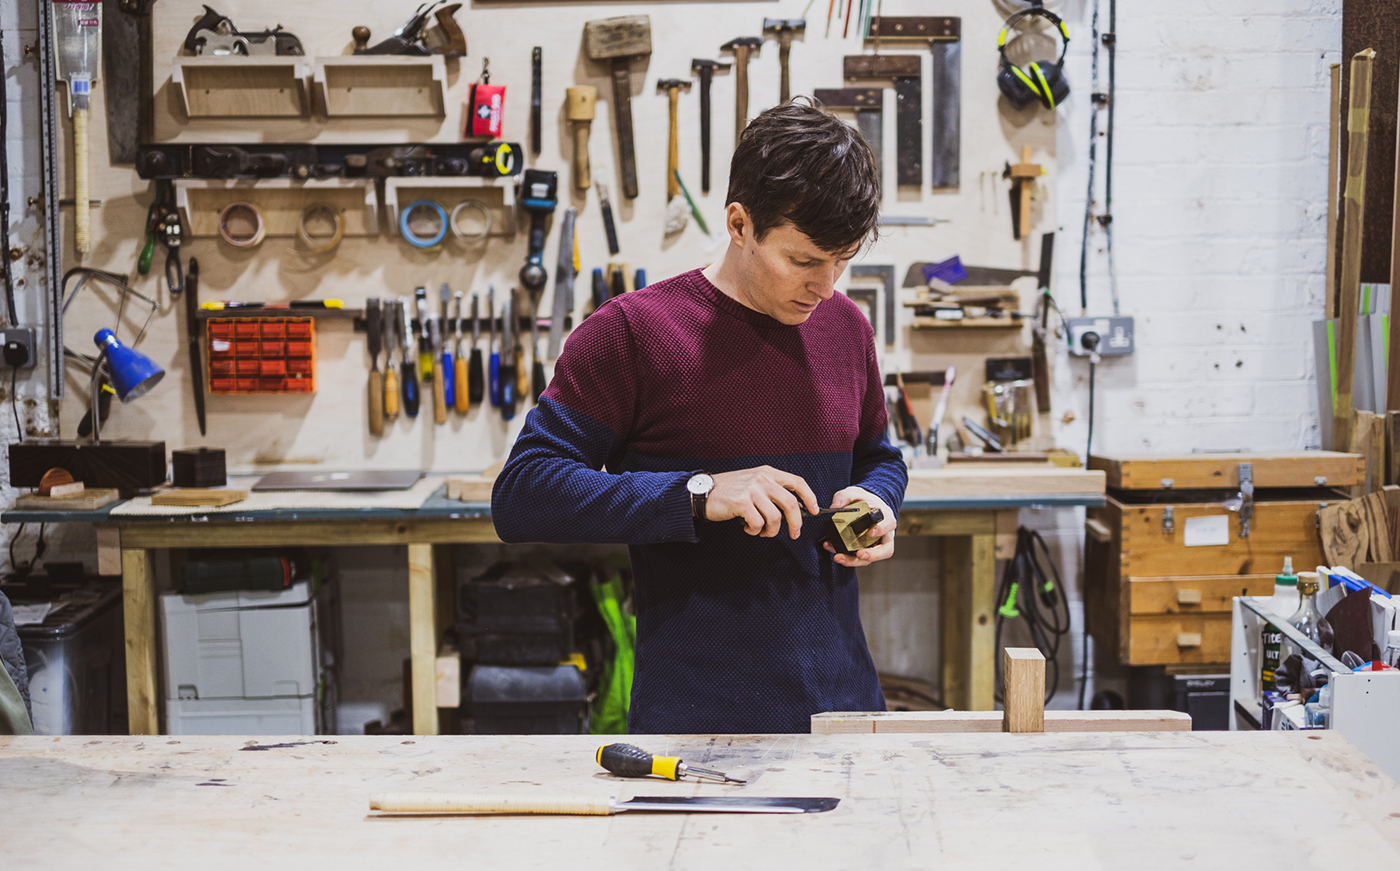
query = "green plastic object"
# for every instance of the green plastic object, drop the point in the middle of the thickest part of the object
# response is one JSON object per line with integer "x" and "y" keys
{"x": 615, "y": 686}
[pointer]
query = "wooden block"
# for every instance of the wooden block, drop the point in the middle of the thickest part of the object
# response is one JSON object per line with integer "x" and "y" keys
{"x": 198, "y": 497}
{"x": 1007, "y": 525}
{"x": 1188, "y": 597}
{"x": 1345, "y": 534}
{"x": 60, "y": 490}
{"x": 449, "y": 677}
{"x": 1023, "y": 688}
{"x": 622, "y": 36}
{"x": 88, "y": 500}
{"x": 422, "y": 637}
{"x": 932, "y": 722}
{"x": 470, "y": 489}
{"x": 1375, "y": 514}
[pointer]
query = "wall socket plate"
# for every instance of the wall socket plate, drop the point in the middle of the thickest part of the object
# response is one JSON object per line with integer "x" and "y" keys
{"x": 1115, "y": 335}
{"x": 22, "y": 336}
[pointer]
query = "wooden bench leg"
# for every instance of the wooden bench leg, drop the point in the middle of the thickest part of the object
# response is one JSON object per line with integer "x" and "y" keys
{"x": 422, "y": 623}
{"x": 139, "y": 614}
{"x": 969, "y": 631}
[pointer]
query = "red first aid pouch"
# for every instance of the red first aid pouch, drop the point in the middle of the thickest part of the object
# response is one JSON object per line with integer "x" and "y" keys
{"x": 485, "y": 108}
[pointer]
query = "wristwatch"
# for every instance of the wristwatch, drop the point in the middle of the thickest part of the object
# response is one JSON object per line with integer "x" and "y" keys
{"x": 699, "y": 487}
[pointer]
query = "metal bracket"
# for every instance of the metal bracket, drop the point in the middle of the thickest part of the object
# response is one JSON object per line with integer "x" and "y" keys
{"x": 1169, "y": 520}
{"x": 1246, "y": 473}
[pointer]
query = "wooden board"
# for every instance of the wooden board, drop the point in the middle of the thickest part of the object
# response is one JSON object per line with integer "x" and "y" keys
{"x": 1072, "y": 801}
{"x": 194, "y": 497}
{"x": 970, "y": 479}
{"x": 1207, "y": 471}
{"x": 951, "y": 722}
{"x": 88, "y": 500}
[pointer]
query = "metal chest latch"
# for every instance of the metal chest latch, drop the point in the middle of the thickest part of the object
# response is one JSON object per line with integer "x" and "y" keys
{"x": 1169, "y": 520}
{"x": 1246, "y": 497}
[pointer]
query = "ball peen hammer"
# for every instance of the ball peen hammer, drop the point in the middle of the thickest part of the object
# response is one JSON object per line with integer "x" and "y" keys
{"x": 673, "y": 88}
{"x": 705, "y": 69}
{"x": 743, "y": 47}
{"x": 784, "y": 28}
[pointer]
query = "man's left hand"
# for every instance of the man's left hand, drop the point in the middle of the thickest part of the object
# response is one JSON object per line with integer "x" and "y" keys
{"x": 866, "y": 555}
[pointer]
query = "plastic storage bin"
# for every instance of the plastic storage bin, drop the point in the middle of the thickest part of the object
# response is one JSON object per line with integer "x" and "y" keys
{"x": 513, "y": 700}
{"x": 76, "y": 657}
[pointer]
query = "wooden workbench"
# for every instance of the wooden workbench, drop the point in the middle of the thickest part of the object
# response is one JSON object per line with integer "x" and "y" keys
{"x": 973, "y": 508}
{"x": 1070, "y": 801}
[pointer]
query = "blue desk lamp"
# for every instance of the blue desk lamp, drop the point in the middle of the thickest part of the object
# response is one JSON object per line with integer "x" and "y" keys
{"x": 132, "y": 373}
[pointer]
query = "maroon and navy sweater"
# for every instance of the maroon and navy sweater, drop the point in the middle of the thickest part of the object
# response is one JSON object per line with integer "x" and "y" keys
{"x": 735, "y": 633}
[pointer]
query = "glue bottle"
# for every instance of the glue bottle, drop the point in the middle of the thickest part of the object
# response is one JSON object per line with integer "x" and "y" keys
{"x": 1284, "y": 602}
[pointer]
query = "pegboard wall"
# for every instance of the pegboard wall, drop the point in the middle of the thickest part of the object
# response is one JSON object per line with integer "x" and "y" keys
{"x": 330, "y": 427}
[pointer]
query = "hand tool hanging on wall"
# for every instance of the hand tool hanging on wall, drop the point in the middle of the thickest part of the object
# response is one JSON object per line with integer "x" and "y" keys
{"x": 619, "y": 40}
{"x": 476, "y": 383}
{"x": 494, "y": 367}
{"x": 439, "y": 373}
{"x": 743, "y": 47}
{"x": 689, "y": 201}
{"x": 908, "y": 108}
{"x": 629, "y": 760}
{"x": 153, "y": 219}
{"x": 129, "y": 92}
{"x": 522, "y": 374}
{"x": 390, "y": 330}
{"x": 171, "y": 234}
{"x": 536, "y": 100}
{"x": 215, "y": 34}
{"x": 705, "y": 69}
{"x": 77, "y": 29}
{"x": 580, "y": 104}
{"x": 461, "y": 373}
{"x": 192, "y": 336}
{"x": 941, "y": 409}
{"x": 445, "y": 350}
{"x": 1022, "y": 176}
{"x": 373, "y": 332}
{"x": 783, "y": 29}
{"x": 302, "y": 161}
{"x": 609, "y": 228}
{"x": 425, "y": 342}
{"x": 600, "y": 289}
{"x": 563, "y": 283}
{"x": 943, "y": 35}
{"x": 539, "y": 194}
{"x": 408, "y": 367}
{"x": 1039, "y": 329}
{"x": 507, "y": 366}
{"x": 676, "y": 215}
{"x": 413, "y": 37}
{"x": 867, "y": 103}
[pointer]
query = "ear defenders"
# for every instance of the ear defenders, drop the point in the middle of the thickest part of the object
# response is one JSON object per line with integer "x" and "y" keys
{"x": 1041, "y": 81}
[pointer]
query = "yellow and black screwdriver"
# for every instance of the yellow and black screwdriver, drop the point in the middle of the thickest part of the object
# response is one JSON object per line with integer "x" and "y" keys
{"x": 629, "y": 760}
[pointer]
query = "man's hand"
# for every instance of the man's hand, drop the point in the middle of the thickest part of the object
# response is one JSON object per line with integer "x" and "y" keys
{"x": 866, "y": 555}
{"x": 762, "y": 497}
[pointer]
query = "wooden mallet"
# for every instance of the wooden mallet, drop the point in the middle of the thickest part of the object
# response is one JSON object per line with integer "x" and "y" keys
{"x": 619, "y": 40}
{"x": 580, "y": 104}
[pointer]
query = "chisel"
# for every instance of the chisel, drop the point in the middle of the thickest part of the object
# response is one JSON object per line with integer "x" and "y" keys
{"x": 536, "y": 364}
{"x": 475, "y": 377}
{"x": 192, "y": 330}
{"x": 435, "y": 342}
{"x": 495, "y": 366}
{"x": 461, "y": 382}
{"x": 408, "y": 367}
{"x": 448, "y": 370}
{"x": 522, "y": 375}
{"x": 373, "y": 332}
{"x": 600, "y": 289}
{"x": 391, "y": 377}
{"x": 605, "y": 206}
{"x": 425, "y": 341}
{"x": 593, "y": 805}
{"x": 619, "y": 281}
{"x": 506, "y": 373}
{"x": 563, "y": 283}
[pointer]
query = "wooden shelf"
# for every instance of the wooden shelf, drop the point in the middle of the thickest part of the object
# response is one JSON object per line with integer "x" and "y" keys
{"x": 359, "y": 85}
{"x": 970, "y": 323}
{"x": 281, "y": 201}
{"x": 448, "y": 191}
{"x": 242, "y": 87}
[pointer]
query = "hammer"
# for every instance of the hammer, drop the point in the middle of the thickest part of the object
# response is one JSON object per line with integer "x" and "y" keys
{"x": 706, "y": 70}
{"x": 619, "y": 40}
{"x": 741, "y": 46}
{"x": 579, "y": 105}
{"x": 673, "y": 88}
{"x": 784, "y": 28}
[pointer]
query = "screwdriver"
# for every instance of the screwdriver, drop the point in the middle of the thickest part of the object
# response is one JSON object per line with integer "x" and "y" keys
{"x": 425, "y": 340}
{"x": 407, "y": 366}
{"x": 391, "y": 377}
{"x": 506, "y": 372}
{"x": 475, "y": 380}
{"x": 376, "y": 381}
{"x": 460, "y": 384}
{"x": 435, "y": 342}
{"x": 522, "y": 375}
{"x": 448, "y": 371}
{"x": 628, "y": 760}
{"x": 495, "y": 369}
{"x": 537, "y": 383}
{"x": 600, "y": 289}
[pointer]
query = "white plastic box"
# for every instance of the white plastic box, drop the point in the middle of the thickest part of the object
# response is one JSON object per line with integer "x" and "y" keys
{"x": 294, "y": 716}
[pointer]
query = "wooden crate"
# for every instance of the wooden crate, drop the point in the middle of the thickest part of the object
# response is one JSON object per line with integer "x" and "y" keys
{"x": 1154, "y": 600}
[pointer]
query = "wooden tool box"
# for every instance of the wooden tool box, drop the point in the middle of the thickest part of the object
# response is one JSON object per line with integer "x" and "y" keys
{"x": 1178, "y": 537}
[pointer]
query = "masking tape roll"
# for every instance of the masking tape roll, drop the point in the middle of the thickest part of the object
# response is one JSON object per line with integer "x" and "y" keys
{"x": 259, "y": 231}
{"x": 485, "y": 213}
{"x": 423, "y": 241}
{"x": 321, "y": 244}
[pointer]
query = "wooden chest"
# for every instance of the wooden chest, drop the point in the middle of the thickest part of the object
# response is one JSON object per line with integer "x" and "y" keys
{"x": 1178, "y": 537}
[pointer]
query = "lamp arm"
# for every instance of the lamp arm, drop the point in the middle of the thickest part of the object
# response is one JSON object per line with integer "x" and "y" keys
{"x": 96, "y": 396}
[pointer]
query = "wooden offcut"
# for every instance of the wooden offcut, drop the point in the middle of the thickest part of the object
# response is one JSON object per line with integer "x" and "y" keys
{"x": 1334, "y": 134}
{"x": 1023, "y": 690}
{"x": 1358, "y": 127}
{"x": 86, "y": 500}
{"x": 198, "y": 497}
{"x": 470, "y": 488}
{"x": 945, "y": 722}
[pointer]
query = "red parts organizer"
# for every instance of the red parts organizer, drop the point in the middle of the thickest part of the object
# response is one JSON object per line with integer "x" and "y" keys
{"x": 261, "y": 355}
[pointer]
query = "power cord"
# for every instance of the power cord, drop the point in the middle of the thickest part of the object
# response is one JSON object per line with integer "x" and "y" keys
{"x": 22, "y": 571}
{"x": 14, "y": 405}
{"x": 1030, "y": 589}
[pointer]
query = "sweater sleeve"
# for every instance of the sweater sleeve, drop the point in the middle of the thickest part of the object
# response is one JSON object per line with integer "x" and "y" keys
{"x": 556, "y": 486}
{"x": 876, "y": 464}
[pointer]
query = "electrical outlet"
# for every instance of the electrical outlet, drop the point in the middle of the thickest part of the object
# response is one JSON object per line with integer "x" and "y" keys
{"x": 1115, "y": 336}
{"x": 17, "y": 341}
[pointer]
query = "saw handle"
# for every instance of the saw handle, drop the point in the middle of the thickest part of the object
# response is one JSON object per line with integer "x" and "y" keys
{"x": 82, "y": 232}
{"x": 449, "y": 803}
{"x": 629, "y": 760}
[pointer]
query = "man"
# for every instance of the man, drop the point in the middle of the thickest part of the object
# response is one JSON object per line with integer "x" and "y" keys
{"x": 721, "y": 405}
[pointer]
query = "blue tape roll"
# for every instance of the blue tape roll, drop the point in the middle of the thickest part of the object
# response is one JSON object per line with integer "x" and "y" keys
{"x": 420, "y": 241}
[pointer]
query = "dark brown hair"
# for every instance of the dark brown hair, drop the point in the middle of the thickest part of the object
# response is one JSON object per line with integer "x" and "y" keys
{"x": 800, "y": 164}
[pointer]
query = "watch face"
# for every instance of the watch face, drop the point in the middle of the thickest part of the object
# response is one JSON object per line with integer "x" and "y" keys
{"x": 700, "y": 484}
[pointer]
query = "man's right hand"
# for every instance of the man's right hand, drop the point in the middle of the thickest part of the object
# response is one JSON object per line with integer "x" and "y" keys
{"x": 762, "y": 497}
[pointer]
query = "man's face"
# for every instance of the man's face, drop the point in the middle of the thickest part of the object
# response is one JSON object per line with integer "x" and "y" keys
{"x": 785, "y": 276}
